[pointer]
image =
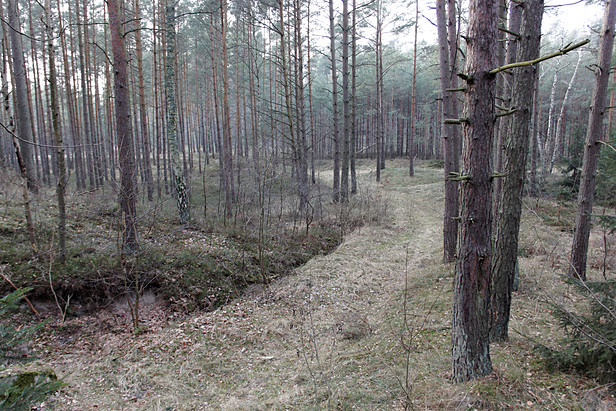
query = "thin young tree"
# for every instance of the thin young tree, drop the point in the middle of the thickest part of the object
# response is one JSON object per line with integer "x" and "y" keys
{"x": 313, "y": 177}
{"x": 346, "y": 104}
{"x": 302, "y": 151}
{"x": 411, "y": 137}
{"x": 353, "y": 144}
{"x": 380, "y": 123}
{"x": 143, "y": 122}
{"x": 85, "y": 114}
{"x": 592, "y": 147}
{"x": 180, "y": 183}
{"x": 335, "y": 137}
{"x": 70, "y": 105}
{"x": 559, "y": 138}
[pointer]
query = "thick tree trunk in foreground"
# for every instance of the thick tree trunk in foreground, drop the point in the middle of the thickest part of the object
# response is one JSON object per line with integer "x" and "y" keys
{"x": 471, "y": 298}
{"x": 594, "y": 133}
{"x": 515, "y": 149}
{"x": 126, "y": 153}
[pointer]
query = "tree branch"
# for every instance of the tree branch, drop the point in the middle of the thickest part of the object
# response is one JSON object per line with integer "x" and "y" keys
{"x": 557, "y": 53}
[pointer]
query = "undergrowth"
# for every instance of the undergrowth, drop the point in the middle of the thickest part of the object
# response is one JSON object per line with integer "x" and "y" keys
{"x": 198, "y": 266}
{"x": 589, "y": 343}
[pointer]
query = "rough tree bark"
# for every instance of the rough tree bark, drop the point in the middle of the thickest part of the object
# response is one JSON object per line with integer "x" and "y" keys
{"x": 594, "y": 133}
{"x": 450, "y": 224}
{"x": 126, "y": 151}
{"x": 227, "y": 149}
{"x": 22, "y": 107}
{"x": 453, "y": 25}
{"x": 514, "y": 22}
{"x": 471, "y": 298}
{"x": 515, "y": 149}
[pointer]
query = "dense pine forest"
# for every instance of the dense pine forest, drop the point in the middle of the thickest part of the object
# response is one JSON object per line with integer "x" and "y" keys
{"x": 307, "y": 204}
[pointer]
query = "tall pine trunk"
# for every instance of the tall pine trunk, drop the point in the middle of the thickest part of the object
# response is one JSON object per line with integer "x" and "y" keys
{"x": 22, "y": 106}
{"x": 515, "y": 19}
{"x": 227, "y": 149}
{"x": 336, "y": 137}
{"x": 594, "y": 134}
{"x": 515, "y": 151}
{"x": 450, "y": 223}
{"x": 411, "y": 137}
{"x": 346, "y": 104}
{"x": 126, "y": 151}
{"x": 142, "y": 107}
{"x": 471, "y": 298}
{"x": 353, "y": 142}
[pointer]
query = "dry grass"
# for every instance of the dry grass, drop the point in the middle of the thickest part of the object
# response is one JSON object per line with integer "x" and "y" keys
{"x": 333, "y": 335}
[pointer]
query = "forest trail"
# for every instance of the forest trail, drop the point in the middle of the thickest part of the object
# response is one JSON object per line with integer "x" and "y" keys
{"x": 327, "y": 335}
{"x": 340, "y": 332}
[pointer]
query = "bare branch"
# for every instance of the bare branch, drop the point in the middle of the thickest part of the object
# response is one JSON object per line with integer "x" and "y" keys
{"x": 557, "y": 53}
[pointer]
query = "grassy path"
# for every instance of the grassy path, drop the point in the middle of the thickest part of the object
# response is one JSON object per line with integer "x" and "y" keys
{"x": 332, "y": 335}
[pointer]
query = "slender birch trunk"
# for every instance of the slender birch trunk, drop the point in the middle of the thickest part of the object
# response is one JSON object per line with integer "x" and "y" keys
{"x": 180, "y": 183}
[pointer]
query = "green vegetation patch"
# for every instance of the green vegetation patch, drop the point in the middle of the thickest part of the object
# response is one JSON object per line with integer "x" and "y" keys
{"x": 196, "y": 268}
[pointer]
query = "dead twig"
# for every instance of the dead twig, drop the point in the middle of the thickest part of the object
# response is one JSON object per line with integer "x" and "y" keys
{"x": 15, "y": 287}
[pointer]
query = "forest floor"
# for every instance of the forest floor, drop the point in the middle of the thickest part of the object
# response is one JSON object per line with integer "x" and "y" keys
{"x": 365, "y": 327}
